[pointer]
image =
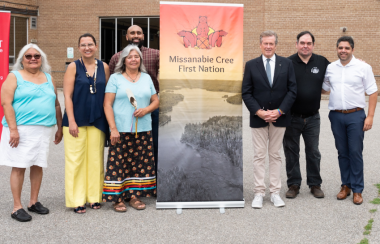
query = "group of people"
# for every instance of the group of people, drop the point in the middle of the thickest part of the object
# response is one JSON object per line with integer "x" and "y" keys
{"x": 283, "y": 97}
{"x": 115, "y": 106}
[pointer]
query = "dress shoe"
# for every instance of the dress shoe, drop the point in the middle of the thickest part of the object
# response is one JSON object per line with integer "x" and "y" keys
{"x": 317, "y": 192}
{"x": 257, "y": 201}
{"x": 38, "y": 208}
{"x": 344, "y": 193}
{"x": 21, "y": 215}
{"x": 276, "y": 199}
{"x": 358, "y": 199}
{"x": 293, "y": 191}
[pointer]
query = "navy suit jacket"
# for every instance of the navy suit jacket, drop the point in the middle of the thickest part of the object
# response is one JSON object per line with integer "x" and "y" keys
{"x": 258, "y": 94}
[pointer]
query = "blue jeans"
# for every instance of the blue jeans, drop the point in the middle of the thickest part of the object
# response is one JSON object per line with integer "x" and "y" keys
{"x": 309, "y": 128}
{"x": 155, "y": 117}
{"x": 349, "y": 136}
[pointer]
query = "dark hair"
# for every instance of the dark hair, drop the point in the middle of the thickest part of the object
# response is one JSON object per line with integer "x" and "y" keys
{"x": 305, "y": 33}
{"x": 86, "y": 35}
{"x": 348, "y": 39}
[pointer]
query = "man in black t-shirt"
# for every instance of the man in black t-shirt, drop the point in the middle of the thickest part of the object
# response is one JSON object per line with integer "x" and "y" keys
{"x": 310, "y": 71}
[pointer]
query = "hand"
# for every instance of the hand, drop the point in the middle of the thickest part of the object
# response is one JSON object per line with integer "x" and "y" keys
{"x": 73, "y": 129}
{"x": 262, "y": 114}
{"x": 273, "y": 115}
{"x": 58, "y": 136}
{"x": 368, "y": 123}
{"x": 141, "y": 112}
{"x": 14, "y": 138}
{"x": 115, "y": 136}
{"x": 361, "y": 60}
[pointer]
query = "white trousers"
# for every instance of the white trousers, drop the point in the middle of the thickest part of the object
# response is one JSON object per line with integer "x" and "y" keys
{"x": 267, "y": 139}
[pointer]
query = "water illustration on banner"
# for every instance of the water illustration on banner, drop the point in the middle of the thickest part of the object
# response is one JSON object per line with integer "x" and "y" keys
{"x": 200, "y": 134}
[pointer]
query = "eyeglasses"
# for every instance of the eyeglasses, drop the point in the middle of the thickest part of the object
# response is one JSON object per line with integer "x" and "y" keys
{"x": 30, "y": 56}
{"x": 89, "y": 45}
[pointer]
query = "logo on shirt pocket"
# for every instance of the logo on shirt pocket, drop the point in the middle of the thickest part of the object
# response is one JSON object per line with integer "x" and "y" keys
{"x": 315, "y": 70}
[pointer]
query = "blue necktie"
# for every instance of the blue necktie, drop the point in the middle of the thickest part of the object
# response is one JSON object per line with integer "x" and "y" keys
{"x": 269, "y": 72}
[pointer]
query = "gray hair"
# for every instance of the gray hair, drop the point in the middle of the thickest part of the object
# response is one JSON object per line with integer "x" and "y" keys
{"x": 268, "y": 33}
{"x": 45, "y": 67}
{"x": 120, "y": 66}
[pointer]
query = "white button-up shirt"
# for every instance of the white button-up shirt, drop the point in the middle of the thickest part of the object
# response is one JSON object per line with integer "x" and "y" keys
{"x": 272, "y": 64}
{"x": 348, "y": 84}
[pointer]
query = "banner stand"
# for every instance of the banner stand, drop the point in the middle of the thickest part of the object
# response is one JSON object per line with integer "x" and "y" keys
{"x": 200, "y": 147}
{"x": 213, "y": 204}
{"x": 5, "y": 20}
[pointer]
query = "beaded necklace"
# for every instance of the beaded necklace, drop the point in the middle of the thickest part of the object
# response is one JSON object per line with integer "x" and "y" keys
{"x": 92, "y": 88}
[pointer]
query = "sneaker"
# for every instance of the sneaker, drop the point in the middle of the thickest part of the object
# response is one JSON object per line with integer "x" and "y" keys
{"x": 276, "y": 199}
{"x": 257, "y": 201}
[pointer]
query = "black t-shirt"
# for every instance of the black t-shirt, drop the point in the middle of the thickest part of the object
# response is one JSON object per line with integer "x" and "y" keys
{"x": 309, "y": 79}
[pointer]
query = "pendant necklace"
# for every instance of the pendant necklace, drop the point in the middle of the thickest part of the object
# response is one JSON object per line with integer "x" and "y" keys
{"x": 133, "y": 80}
{"x": 92, "y": 88}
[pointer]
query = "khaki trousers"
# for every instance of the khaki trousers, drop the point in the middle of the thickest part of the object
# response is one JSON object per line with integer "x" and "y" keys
{"x": 84, "y": 170}
{"x": 263, "y": 137}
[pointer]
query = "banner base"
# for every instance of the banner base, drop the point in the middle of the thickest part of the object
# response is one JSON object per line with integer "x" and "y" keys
{"x": 211, "y": 204}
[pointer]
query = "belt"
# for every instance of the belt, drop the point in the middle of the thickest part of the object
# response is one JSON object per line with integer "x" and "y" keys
{"x": 303, "y": 116}
{"x": 348, "y": 111}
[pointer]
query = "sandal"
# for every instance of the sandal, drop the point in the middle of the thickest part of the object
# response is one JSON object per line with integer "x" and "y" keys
{"x": 120, "y": 207}
{"x": 21, "y": 215}
{"x": 95, "y": 205}
{"x": 80, "y": 208}
{"x": 137, "y": 204}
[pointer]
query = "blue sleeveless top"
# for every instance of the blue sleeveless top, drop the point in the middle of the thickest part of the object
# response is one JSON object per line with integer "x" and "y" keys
{"x": 88, "y": 108}
{"x": 33, "y": 104}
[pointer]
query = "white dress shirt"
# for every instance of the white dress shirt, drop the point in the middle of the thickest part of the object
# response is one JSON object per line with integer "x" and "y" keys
{"x": 272, "y": 64}
{"x": 348, "y": 84}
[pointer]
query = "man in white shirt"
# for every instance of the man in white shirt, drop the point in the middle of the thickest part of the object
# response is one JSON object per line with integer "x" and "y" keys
{"x": 349, "y": 79}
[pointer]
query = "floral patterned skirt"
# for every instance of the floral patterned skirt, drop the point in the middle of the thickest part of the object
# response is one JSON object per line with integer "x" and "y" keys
{"x": 130, "y": 168}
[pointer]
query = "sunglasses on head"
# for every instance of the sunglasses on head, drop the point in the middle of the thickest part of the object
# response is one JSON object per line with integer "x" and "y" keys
{"x": 30, "y": 56}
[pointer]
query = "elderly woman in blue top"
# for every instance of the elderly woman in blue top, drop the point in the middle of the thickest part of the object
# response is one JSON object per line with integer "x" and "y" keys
{"x": 31, "y": 109}
{"x": 129, "y": 100}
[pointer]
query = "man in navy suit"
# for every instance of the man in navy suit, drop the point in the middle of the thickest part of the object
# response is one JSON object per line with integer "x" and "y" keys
{"x": 269, "y": 90}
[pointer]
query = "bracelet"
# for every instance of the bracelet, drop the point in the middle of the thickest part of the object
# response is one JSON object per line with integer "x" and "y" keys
{"x": 279, "y": 111}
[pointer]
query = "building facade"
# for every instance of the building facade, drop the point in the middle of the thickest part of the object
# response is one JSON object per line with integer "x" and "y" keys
{"x": 56, "y": 25}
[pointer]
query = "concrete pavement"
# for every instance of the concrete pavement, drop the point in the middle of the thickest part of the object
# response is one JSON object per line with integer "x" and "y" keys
{"x": 303, "y": 220}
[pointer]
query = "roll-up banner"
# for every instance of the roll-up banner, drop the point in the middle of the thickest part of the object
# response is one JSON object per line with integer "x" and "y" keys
{"x": 5, "y": 21}
{"x": 200, "y": 160}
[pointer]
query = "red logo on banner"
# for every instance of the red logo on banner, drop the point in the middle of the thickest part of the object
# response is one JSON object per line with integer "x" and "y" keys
{"x": 203, "y": 36}
{"x": 5, "y": 21}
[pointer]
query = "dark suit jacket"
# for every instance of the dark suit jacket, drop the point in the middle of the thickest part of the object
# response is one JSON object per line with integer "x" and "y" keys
{"x": 257, "y": 93}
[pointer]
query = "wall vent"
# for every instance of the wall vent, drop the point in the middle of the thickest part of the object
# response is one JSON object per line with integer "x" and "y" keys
{"x": 33, "y": 23}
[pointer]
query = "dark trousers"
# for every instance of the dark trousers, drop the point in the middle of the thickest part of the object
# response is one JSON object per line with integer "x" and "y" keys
{"x": 349, "y": 135}
{"x": 155, "y": 116}
{"x": 309, "y": 128}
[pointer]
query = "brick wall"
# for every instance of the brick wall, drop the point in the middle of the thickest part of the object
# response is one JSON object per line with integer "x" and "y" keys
{"x": 324, "y": 19}
{"x": 60, "y": 23}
